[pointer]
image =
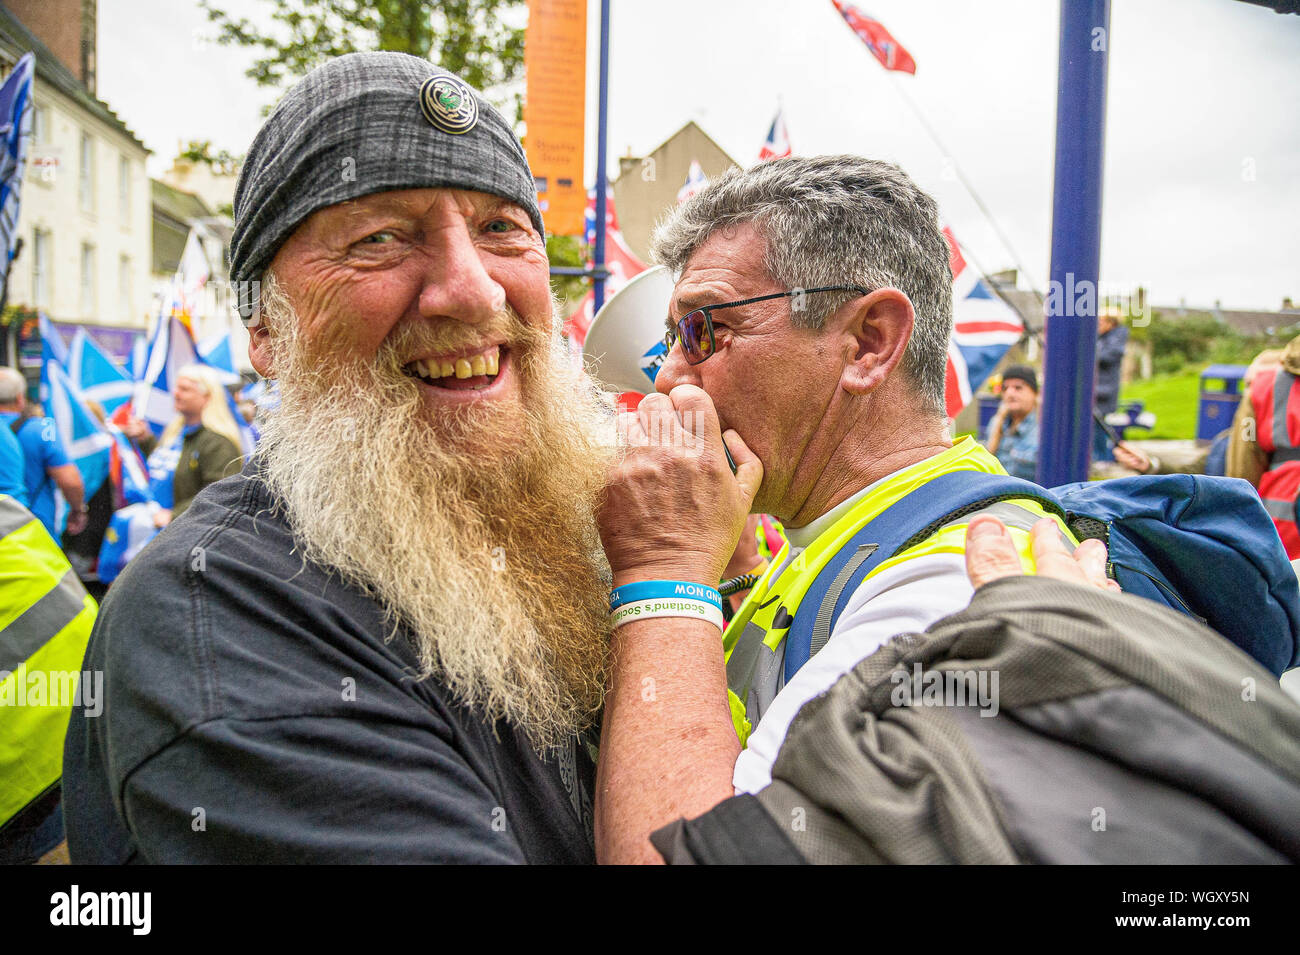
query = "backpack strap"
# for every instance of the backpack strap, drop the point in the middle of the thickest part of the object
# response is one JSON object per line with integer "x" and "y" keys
{"x": 915, "y": 518}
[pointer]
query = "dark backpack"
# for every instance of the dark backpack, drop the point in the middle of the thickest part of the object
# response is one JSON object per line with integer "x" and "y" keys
{"x": 1204, "y": 546}
{"x": 1069, "y": 725}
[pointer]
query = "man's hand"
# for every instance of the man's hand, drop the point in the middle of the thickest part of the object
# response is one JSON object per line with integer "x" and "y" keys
{"x": 991, "y": 555}
{"x": 76, "y": 521}
{"x": 673, "y": 510}
{"x": 1133, "y": 459}
{"x": 135, "y": 428}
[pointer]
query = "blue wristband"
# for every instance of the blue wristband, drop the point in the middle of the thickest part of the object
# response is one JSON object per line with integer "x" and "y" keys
{"x": 658, "y": 589}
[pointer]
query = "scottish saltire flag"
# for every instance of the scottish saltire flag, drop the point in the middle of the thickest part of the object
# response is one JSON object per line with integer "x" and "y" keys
{"x": 263, "y": 393}
{"x": 695, "y": 181}
{"x": 882, "y": 45}
{"x": 85, "y": 440}
{"x": 96, "y": 375}
{"x": 247, "y": 436}
{"x": 215, "y": 351}
{"x": 128, "y": 531}
{"x": 777, "y": 144}
{"x": 52, "y": 346}
{"x": 984, "y": 328}
{"x": 162, "y": 467}
{"x": 139, "y": 356}
{"x": 16, "y": 135}
{"x": 170, "y": 350}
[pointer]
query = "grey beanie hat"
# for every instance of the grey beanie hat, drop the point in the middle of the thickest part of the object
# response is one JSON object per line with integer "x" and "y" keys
{"x": 360, "y": 124}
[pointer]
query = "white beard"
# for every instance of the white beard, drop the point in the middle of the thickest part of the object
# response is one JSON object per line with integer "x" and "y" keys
{"x": 474, "y": 530}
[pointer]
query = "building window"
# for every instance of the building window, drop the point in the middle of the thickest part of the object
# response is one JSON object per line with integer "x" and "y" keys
{"x": 86, "y": 186}
{"x": 40, "y": 124}
{"x": 124, "y": 287}
{"x": 124, "y": 191}
{"x": 87, "y": 280}
{"x": 41, "y": 259}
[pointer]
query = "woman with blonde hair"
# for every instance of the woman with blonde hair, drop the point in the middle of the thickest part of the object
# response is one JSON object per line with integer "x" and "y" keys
{"x": 210, "y": 446}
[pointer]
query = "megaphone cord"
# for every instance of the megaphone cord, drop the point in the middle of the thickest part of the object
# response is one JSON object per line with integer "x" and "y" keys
{"x": 736, "y": 584}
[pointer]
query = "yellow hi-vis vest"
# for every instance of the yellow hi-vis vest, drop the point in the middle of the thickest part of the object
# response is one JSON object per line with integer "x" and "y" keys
{"x": 45, "y": 621}
{"x": 754, "y": 642}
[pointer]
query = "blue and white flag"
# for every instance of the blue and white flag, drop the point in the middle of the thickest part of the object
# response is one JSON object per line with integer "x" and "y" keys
{"x": 15, "y": 136}
{"x": 695, "y": 181}
{"x": 52, "y": 346}
{"x": 984, "y": 329}
{"x": 170, "y": 350}
{"x": 133, "y": 476}
{"x": 215, "y": 351}
{"x": 135, "y": 364}
{"x": 128, "y": 531}
{"x": 96, "y": 374}
{"x": 85, "y": 441}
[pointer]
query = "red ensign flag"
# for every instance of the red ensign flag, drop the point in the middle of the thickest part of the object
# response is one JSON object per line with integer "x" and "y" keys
{"x": 883, "y": 47}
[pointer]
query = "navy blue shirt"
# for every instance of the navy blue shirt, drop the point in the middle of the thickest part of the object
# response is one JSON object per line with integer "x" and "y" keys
{"x": 255, "y": 712}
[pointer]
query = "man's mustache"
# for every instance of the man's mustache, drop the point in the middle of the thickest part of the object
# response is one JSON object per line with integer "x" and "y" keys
{"x": 416, "y": 339}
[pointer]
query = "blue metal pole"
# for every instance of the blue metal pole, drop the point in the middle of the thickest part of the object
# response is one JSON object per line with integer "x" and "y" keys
{"x": 1065, "y": 426}
{"x": 601, "y": 135}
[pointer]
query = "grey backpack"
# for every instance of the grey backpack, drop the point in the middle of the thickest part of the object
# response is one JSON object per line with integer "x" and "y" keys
{"x": 1046, "y": 723}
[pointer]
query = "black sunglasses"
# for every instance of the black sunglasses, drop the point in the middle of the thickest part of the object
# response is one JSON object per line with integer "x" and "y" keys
{"x": 695, "y": 329}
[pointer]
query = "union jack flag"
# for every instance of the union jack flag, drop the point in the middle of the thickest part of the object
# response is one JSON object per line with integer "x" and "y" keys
{"x": 620, "y": 260}
{"x": 882, "y": 45}
{"x": 611, "y": 220}
{"x": 777, "y": 145}
{"x": 695, "y": 181}
{"x": 984, "y": 328}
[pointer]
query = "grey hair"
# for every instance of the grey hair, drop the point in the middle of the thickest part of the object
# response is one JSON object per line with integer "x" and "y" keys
{"x": 834, "y": 220}
{"x": 12, "y": 386}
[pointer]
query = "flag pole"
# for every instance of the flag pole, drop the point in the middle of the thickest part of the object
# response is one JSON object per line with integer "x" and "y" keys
{"x": 11, "y": 330}
{"x": 598, "y": 256}
{"x": 1068, "y": 366}
{"x": 961, "y": 177}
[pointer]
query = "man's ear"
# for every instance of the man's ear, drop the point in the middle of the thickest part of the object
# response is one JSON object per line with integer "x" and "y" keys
{"x": 878, "y": 326}
{"x": 259, "y": 349}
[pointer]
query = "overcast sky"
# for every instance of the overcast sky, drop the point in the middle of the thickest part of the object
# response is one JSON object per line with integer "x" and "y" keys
{"x": 1202, "y": 190}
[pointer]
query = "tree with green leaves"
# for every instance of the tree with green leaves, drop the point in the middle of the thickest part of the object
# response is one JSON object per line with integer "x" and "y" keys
{"x": 468, "y": 37}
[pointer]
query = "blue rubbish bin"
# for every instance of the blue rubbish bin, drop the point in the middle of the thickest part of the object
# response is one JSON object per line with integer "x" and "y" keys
{"x": 1220, "y": 395}
{"x": 988, "y": 408}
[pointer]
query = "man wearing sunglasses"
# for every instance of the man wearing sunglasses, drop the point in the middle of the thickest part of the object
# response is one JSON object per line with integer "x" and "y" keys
{"x": 809, "y": 330}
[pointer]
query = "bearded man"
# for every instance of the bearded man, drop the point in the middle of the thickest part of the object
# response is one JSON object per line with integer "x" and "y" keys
{"x": 383, "y": 641}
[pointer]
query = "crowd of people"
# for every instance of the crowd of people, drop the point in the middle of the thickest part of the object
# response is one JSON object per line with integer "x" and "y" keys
{"x": 453, "y": 610}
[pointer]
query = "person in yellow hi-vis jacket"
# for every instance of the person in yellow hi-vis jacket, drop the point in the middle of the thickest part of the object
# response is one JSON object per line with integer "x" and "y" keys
{"x": 45, "y": 621}
{"x": 808, "y": 335}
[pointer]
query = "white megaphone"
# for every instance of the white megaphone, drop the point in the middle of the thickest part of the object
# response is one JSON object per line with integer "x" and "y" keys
{"x": 625, "y": 343}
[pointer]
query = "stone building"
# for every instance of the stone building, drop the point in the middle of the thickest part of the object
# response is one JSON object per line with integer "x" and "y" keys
{"x": 84, "y": 219}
